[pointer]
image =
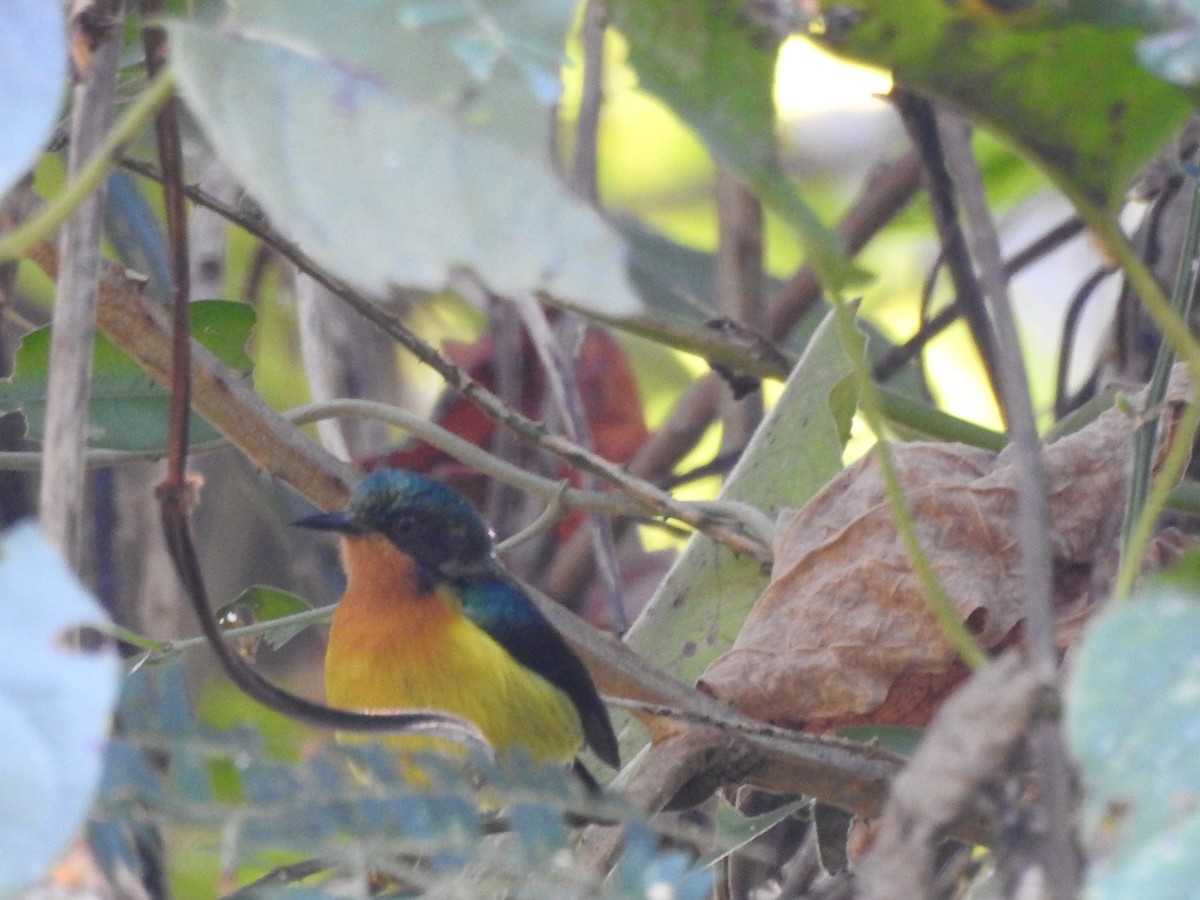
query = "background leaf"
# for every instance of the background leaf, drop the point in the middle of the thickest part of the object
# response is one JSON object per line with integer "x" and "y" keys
{"x": 492, "y": 63}
{"x": 262, "y": 603}
{"x": 33, "y": 73}
{"x": 128, "y": 411}
{"x": 381, "y": 178}
{"x": 701, "y": 604}
{"x": 1071, "y": 96}
{"x": 1133, "y": 720}
{"x": 716, "y": 69}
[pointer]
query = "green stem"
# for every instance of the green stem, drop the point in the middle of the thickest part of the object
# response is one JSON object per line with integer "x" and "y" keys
{"x": 929, "y": 422}
{"x": 17, "y": 242}
{"x": 943, "y": 610}
{"x": 162, "y": 649}
{"x": 1176, "y": 333}
{"x": 1145, "y": 440}
{"x": 127, "y": 636}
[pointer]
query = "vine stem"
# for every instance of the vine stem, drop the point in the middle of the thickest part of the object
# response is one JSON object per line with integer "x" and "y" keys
{"x": 943, "y": 610}
{"x": 1176, "y": 333}
{"x": 1055, "y": 854}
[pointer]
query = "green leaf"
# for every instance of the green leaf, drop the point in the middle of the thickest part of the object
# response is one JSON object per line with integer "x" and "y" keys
{"x": 716, "y": 69}
{"x": 700, "y": 606}
{"x": 492, "y": 63}
{"x": 1133, "y": 721}
{"x": 263, "y": 603}
{"x": 1071, "y": 96}
{"x": 900, "y": 739}
{"x": 128, "y": 411}
{"x": 360, "y": 133}
{"x": 1151, "y": 15}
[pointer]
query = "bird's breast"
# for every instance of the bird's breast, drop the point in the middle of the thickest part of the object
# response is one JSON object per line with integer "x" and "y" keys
{"x": 392, "y": 647}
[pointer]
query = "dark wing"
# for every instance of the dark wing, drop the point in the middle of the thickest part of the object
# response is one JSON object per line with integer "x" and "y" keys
{"x": 510, "y": 618}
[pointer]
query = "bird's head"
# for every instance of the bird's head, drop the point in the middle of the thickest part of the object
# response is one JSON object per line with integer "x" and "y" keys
{"x": 429, "y": 521}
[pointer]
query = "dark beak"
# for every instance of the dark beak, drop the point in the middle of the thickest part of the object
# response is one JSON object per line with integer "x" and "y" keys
{"x": 334, "y": 521}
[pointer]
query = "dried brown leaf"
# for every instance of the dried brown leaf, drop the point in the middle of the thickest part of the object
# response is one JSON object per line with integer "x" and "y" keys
{"x": 844, "y": 634}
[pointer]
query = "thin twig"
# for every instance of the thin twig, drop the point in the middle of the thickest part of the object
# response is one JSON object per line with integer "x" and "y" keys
{"x": 1175, "y": 331}
{"x": 170, "y": 161}
{"x": 1057, "y": 854}
{"x": 896, "y": 358}
{"x": 918, "y": 116}
{"x": 1145, "y": 439}
{"x": 952, "y": 627}
{"x": 1063, "y": 399}
{"x": 532, "y": 432}
{"x": 587, "y": 127}
{"x": 560, "y": 372}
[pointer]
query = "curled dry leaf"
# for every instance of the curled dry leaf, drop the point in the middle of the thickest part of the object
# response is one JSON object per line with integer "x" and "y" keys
{"x": 844, "y": 635}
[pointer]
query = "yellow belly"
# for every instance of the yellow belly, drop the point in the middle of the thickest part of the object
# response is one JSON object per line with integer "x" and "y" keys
{"x": 422, "y": 653}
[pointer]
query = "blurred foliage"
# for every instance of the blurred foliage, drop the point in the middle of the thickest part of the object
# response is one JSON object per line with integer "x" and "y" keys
{"x": 236, "y": 792}
{"x": 1133, "y": 718}
{"x": 1071, "y": 96}
{"x": 128, "y": 411}
{"x": 241, "y": 812}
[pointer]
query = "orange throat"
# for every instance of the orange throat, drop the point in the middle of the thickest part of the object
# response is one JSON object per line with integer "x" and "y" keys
{"x": 380, "y": 626}
{"x": 393, "y": 648}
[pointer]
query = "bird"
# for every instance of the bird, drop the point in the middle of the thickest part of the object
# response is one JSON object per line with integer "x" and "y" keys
{"x": 429, "y": 619}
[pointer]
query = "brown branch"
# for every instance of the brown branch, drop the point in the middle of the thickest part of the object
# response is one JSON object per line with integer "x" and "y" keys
{"x": 657, "y": 501}
{"x": 587, "y": 128}
{"x": 740, "y": 288}
{"x": 1057, "y": 854}
{"x": 62, "y": 491}
{"x": 917, "y": 114}
{"x": 887, "y": 191}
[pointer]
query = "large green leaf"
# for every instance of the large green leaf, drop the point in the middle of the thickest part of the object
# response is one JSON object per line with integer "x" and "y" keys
{"x": 700, "y": 606}
{"x": 1133, "y": 719}
{"x": 1171, "y": 47}
{"x": 716, "y": 69}
{"x": 1070, "y": 95}
{"x": 492, "y": 63}
{"x": 56, "y": 700}
{"x": 394, "y": 141}
{"x": 128, "y": 411}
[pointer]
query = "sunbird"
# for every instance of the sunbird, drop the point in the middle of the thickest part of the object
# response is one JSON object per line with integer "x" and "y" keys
{"x": 430, "y": 620}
